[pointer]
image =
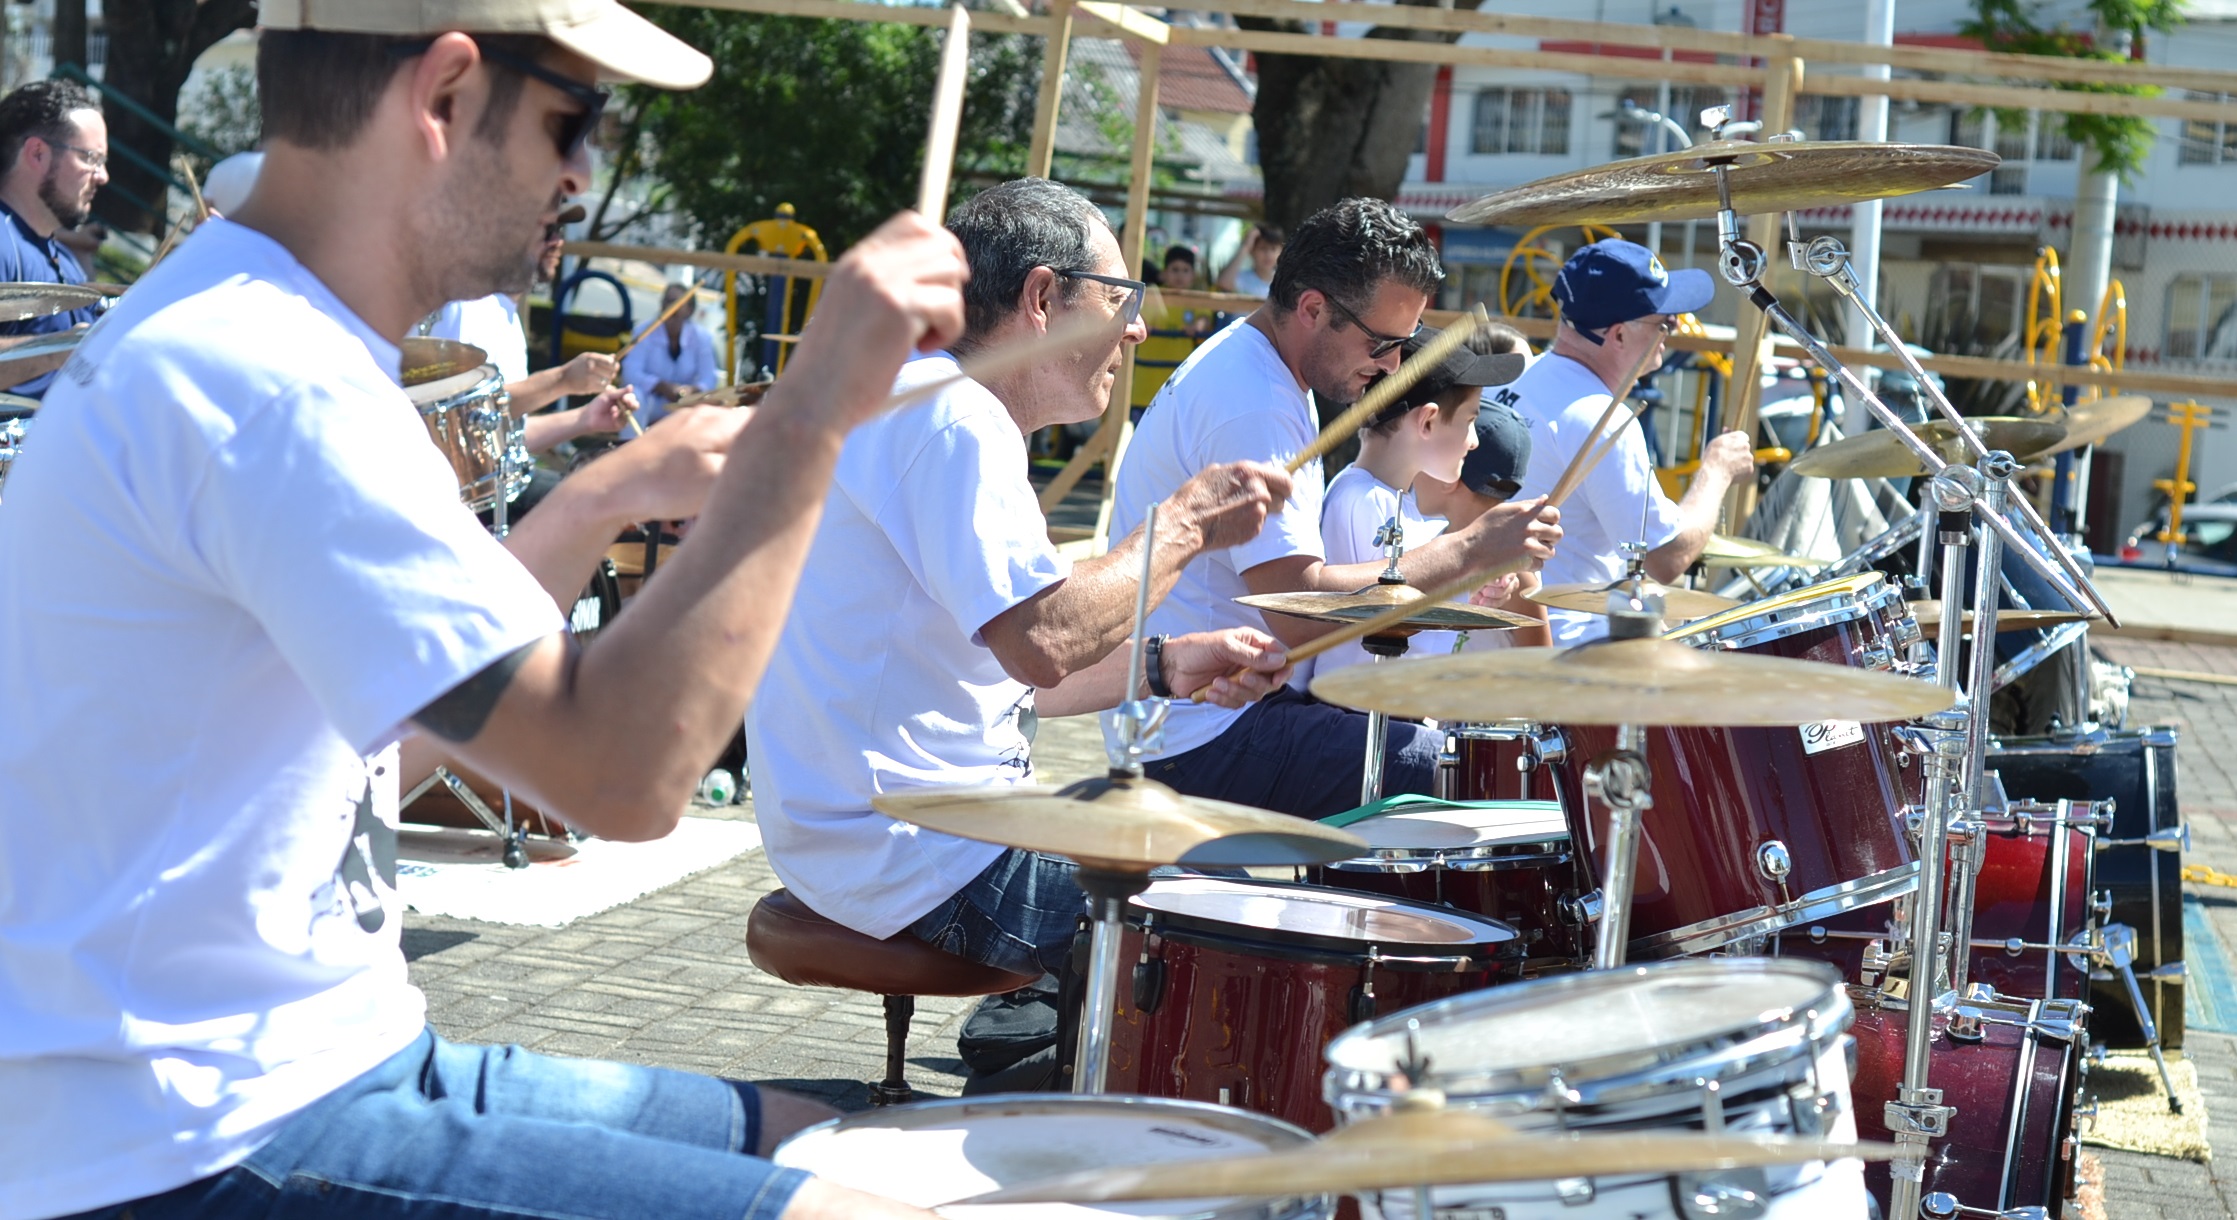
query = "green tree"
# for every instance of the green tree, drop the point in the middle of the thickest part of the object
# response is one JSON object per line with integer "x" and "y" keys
{"x": 829, "y": 116}
{"x": 222, "y": 112}
{"x": 2121, "y": 142}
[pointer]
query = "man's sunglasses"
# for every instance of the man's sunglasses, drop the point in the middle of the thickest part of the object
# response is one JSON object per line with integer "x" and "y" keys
{"x": 1136, "y": 291}
{"x": 574, "y": 129}
{"x": 1383, "y": 344}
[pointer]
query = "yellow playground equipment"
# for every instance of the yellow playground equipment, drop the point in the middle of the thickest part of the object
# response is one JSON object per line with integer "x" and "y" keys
{"x": 781, "y": 237}
{"x": 2047, "y": 317}
{"x": 1539, "y": 265}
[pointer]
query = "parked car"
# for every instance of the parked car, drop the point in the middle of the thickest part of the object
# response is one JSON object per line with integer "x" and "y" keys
{"x": 2209, "y": 541}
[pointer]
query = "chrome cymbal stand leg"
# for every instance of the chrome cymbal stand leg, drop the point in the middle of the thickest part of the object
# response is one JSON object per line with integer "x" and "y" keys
{"x": 1967, "y": 835}
{"x": 1917, "y": 1116}
{"x": 1392, "y": 538}
{"x": 1619, "y": 779}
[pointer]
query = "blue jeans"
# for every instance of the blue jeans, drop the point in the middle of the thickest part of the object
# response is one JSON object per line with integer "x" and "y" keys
{"x": 461, "y": 1132}
{"x": 1291, "y": 753}
{"x": 1018, "y": 914}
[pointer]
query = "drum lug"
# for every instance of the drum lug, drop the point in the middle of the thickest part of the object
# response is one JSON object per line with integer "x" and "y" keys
{"x": 1360, "y": 1006}
{"x": 1580, "y": 909}
{"x": 1149, "y": 984}
{"x": 1942, "y": 1205}
{"x": 1548, "y": 746}
{"x": 1775, "y": 863}
{"x": 1965, "y": 1025}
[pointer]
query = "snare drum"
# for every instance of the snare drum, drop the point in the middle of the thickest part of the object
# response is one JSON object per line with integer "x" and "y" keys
{"x": 937, "y": 1151}
{"x": 1238, "y": 985}
{"x": 1511, "y": 862}
{"x": 469, "y": 418}
{"x": 1758, "y": 829}
{"x": 1747, "y": 1045}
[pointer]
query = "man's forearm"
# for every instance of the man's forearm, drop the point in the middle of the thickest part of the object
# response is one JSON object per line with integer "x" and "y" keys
{"x": 537, "y": 390}
{"x": 541, "y": 432}
{"x": 1099, "y": 687}
{"x": 1078, "y": 622}
{"x": 1698, "y": 511}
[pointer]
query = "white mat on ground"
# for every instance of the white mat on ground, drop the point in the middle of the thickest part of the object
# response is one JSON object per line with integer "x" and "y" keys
{"x": 458, "y": 873}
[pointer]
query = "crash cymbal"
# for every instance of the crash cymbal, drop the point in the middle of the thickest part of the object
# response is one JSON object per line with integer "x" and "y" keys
{"x": 1726, "y": 551}
{"x": 1878, "y": 454}
{"x": 1677, "y": 604}
{"x": 1431, "y": 1148}
{"x": 22, "y": 302}
{"x": 1649, "y": 681}
{"x": 1774, "y": 177}
{"x": 2090, "y": 422}
{"x": 429, "y": 359}
{"x": 1374, "y": 599}
{"x": 1122, "y": 824}
{"x": 1929, "y": 613}
{"x": 16, "y": 406}
{"x": 745, "y": 395}
{"x": 37, "y": 356}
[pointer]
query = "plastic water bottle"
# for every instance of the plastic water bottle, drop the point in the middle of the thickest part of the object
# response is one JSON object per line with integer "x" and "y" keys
{"x": 719, "y": 788}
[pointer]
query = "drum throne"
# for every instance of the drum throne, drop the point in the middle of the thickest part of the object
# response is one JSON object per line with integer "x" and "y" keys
{"x": 787, "y": 939}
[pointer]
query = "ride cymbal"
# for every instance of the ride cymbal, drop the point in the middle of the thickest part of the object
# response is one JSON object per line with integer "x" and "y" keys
{"x": 1374, "y": 599}
{"x": 429, "y": 359}
{"x": 1425, "y": 1148}
{"x": 2090, "y": 422}
{"x": 1765, "y": 177}
{"x": 1879, "y": 454}
{"x": 1929, "y": 613}
{"x": 1122, "y": 824}
{"x": 20, "y": 302}
{"x": 1647, "y": 681}
{"x": 1726, "y": 551}
{"x": 1677, "y": 604}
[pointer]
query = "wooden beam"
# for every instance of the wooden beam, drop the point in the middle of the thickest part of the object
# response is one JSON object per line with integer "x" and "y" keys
{"x": 1118, "y": 419}
{"x": 947, "y": 115}
{"x": 1133, "y": 23}
{"x": 1057, "y": 48}
{"x": 1743, "y": 393}
{"x": 986, "y": 22}
{"x": 750, "y": 264}
{"x": 2066, "y": 101}
{"x": 1395, "y": 50}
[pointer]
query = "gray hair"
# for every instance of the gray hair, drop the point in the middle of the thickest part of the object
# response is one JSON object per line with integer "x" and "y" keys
{"x": 1010, "y": 229}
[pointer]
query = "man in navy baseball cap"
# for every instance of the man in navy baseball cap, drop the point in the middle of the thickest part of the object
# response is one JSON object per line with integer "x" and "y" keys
{"x": 1618, "y": 304}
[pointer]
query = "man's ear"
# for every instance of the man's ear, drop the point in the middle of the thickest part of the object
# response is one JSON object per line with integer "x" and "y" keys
{"x": 434, "y": 83}
{"x": 1037, "y": 299}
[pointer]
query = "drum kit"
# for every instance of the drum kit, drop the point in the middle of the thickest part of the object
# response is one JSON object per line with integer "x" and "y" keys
{"x": 1788, "y": 811}
{"x": 35, "y": 355}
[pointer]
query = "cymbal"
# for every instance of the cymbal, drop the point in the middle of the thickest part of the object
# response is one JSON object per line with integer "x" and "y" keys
{"x": 1648, "y": 681}
{"x": 1726, "y": 551}
{"x": 1425, "y": 1148}
{"x": 16, "y": 406}
{"x": 745, "y": 395}
{"x": 1878, "y": 454}
{"x": 1677, "y": 604}
{"x": 22, "y": 302}
{"x": 37, "y": 355}
{"x": 1125, "y": 825}
{"x": 1929, "y": 614}
{"x": 1374, "y": 599}
{"x": 429, "y": 359}
{"x": 2090, "y": 422}
{"x": 1765, "y": 177}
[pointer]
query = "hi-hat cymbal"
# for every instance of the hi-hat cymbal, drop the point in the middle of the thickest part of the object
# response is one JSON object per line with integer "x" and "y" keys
{"x": 1374, "y": 599}
{"x": 1123, "y": 825}
{"x": 1726, "y": 551}
{"x": 429, "y": 359}
{"x": 1766, "y": 177}
{"x": 1425, "y": 1148}
{"x": 2090, "y": 422}
{"x": 1878, "y": 454}
{"x": 1649, "y": 681}
{"x": 22, "y": 302}
{"x": 1929, "y": 613}
{"x": 1677, "y": 604}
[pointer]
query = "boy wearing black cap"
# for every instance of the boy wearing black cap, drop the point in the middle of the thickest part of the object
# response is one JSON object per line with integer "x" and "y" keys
{"x": 1616, "y": 300}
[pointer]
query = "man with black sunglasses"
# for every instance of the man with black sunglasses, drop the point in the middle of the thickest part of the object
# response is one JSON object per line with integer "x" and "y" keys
{"x": 1347, "y": 293}
{"x": 204, "y": 1005}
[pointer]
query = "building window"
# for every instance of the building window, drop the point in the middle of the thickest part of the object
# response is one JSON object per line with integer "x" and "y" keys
{"x": 1976, "y": 308}
{"x": 2198, "y": 317}
{"x": 1826, "y": 118}
{"x": 1980, "y": 129}
{"x": 2206, "y": 142}
{"x": 1521, "y": 121}
{"x": 1685, "y": 107}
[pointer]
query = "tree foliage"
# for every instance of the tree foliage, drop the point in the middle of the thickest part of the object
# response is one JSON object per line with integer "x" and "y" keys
{"x": 152, "y": 47}
{"x": 2121, "y": 142}
{"x": 829, "y": 116}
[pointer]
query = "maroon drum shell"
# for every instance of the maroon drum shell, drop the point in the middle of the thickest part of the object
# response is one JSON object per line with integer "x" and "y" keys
{"x": 1487, "y": 763}
{"x": 1721, "y": 793}
{"x": 2014, "y": 898}
{"x": 1251, "y": 1015}
{"x": 2012, "y": 1078}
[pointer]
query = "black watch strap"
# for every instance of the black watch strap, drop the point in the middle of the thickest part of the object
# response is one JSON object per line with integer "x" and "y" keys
{"x": 1153, "y": 666}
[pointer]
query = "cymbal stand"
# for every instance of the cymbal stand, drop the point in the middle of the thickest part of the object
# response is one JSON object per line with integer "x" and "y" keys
{"x": 1968, "y": 837}
{"x": 1620, "y": 779}
{"x": 1392, "y": 538}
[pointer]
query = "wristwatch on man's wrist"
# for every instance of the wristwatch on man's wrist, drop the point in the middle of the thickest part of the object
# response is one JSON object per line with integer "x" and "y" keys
{"x": 1153, "y": 666}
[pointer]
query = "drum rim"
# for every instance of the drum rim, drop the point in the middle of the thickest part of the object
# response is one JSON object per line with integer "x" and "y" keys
{"x": 1827, "y": 1014}
{"x": 1733, "y": 927}
{"x": 467, "y": 391}
{"x": 1491, "y": 730}
{"x": 1792, "y": 613}
{"x": 1546, "y": 850}
{"x": 1281, "y": 945}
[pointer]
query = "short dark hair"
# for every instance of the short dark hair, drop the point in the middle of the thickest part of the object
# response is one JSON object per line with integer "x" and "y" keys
{"x": 1347, "y": 249}
{"x": 1500, "y": 338}
{"x": 1010, "y": 229}
{"x": 1183, "y": 253}
{"x": 43, "y": 109}
{"x": 317, "y": 88}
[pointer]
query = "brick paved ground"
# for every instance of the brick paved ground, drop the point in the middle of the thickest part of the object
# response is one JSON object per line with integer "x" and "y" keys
{"x": 665, "y": 980}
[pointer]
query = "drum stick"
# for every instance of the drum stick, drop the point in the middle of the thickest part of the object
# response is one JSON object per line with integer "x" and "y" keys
{"x": 947, "y": 115}
{"x": 690, "y": 294}
{"x": 201, "y": 205}
{"x": 1384, "y": 392}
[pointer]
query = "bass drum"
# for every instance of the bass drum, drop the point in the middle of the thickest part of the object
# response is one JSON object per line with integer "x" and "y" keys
{"x": 2013, "y": 1079}
{"x": 2134, "y": 770}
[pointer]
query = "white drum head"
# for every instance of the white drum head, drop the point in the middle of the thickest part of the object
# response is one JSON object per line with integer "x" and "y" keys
{"x": 1430, "y": 829}
{"x": 442, "y": 390}
{"x": 1306, "y": 911}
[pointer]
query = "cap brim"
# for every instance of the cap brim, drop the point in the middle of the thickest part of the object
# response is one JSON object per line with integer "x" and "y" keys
{"x": 1690, "y": 290}
{"x": 627, "y": 47}
{"x": 1484, "y": 369}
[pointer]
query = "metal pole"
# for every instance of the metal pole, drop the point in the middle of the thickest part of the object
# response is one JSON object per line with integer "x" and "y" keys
{"x": 1619, "y": 779}
{"x": 1864, "y": 217}
{"x": 2062, "y": 519}
{"x": 1102, "y": 996}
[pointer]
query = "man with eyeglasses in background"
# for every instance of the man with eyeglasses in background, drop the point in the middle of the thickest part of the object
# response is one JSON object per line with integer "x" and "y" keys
{"x": 935, "y": 621}
{"x": 55, "y": 147}
{"x": 1616, "y": 300}
{"x": 1348, "y": 292}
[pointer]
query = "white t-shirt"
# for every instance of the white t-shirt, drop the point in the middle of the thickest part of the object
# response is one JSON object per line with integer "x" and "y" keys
{"x": 1249, "y": 281}
{"x": 491, "y": 323}
{"x": 256, "y": 570}
{"x": 1232, "y": 400}
{"x": 1618, "y": 502}
{"x": 1358, "y": 505}
{"x": 881, "y": 682}
{"x": 651, "y": 362}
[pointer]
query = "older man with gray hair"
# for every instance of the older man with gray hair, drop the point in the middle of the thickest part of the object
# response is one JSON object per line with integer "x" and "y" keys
{"x": 935, "y": 620}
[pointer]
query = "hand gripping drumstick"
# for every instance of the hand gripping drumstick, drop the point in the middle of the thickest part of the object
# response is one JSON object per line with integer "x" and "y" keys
{"x": 1386, "y": 391}
{"x": 629, "y": 417}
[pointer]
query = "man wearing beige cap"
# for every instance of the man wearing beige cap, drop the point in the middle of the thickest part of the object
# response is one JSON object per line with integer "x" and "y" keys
{"x": 272, "y": 586}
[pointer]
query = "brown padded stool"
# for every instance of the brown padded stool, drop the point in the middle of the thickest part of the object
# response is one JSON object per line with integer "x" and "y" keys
{"x": 786, "y": 939}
